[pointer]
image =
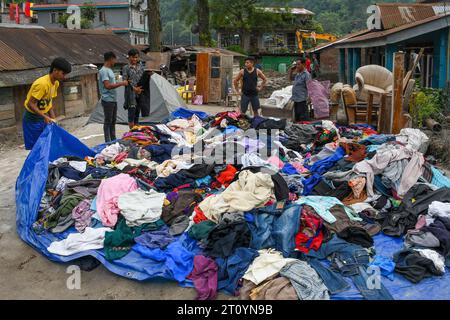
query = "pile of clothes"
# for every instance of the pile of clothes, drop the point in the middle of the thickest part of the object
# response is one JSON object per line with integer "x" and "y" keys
{"x": 256, "y": 207}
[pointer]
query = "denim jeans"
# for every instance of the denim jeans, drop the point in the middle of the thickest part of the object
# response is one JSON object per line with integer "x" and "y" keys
{"x": 285, "y": 228}
{"x": 350, "y": 260}
{"x": 333, "y": 281}
{"x": 261, "y": 229}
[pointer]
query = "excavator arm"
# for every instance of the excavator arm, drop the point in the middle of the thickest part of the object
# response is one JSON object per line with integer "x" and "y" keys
{"x": 316, "y": 36}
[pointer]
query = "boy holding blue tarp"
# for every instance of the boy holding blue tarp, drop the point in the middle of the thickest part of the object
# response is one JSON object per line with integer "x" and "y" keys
{"x": 38, "y": 104}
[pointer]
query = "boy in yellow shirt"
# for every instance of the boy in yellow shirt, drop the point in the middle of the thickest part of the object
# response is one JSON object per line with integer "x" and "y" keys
{"x": 38, "y": 105}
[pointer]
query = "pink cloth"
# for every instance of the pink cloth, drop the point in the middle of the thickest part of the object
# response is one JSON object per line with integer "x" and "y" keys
{"x": 276, "y": 161}
{"x": 299, "y": 167}
{"x": 319, "y": 93}
{"x": 108, "y": 195}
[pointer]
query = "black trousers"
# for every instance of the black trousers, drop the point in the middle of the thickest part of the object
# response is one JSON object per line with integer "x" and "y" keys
{"x": 109, "y": 124}
{"x": 301, "y": 111}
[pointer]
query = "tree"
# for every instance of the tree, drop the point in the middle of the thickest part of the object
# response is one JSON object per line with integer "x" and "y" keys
{"x": 203, "y": 23}
{"x": 154, "y": 25}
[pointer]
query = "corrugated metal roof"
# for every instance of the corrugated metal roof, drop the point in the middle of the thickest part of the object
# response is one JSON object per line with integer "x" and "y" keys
{"x": 340, "y": 40}
{"x": 394, "y": 15}
{"x": 9, "y": 58}
{"x": 38, "y": 47}
{"x": 381, "y": 34}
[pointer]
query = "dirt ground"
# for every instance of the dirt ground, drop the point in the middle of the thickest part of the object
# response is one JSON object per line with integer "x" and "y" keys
{"x": 26, "y": 274}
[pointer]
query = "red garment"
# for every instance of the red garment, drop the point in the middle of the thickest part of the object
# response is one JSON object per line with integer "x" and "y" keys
{"x": 308, "y": 65}
{"x": 227, "y": 175}
{"x": 310, "y": 235}
{"x": 120, "y": 157}
{"x": 199, "y": 215}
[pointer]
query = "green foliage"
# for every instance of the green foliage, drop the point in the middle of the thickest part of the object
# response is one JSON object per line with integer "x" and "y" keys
{"x": 237, "y": 49}
{"x": 88, "y": 12}
{"x": 428, "y": 103}
{"x": 338, "y": 17}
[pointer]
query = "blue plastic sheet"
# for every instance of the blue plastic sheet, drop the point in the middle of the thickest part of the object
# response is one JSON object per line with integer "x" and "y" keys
{"x": 187, "y": 113}
{"x": 434, "y": 288}
{"x": 56, "y": 142}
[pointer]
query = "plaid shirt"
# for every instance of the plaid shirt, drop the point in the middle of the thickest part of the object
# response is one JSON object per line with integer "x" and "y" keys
{"x": 133, "y": 73}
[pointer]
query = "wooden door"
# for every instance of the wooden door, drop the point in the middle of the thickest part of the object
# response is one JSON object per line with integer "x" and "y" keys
{"x": 203, "y": 76}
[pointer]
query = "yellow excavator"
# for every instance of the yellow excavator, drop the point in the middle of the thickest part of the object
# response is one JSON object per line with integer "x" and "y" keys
{"x": 304, "y": 34}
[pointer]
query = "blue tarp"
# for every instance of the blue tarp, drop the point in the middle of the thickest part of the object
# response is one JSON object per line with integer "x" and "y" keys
{"x": 56, "y": 142}
{"x": 187, "y": 113}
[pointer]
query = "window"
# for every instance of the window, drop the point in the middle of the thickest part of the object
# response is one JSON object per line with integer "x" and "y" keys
{"x": 53, "y": 17}
{"x": 135, "y": 40}
{"x": 101, "y": 16}
{"x": 141, "y": 19}
{"x": 273, "y": 42}
{"x": 227, "y": 40}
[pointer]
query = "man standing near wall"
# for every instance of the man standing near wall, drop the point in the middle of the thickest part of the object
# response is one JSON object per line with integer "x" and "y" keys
{"x": 39, "y": 103}
{"x": 300, "y": 91}
{"x": 107, "y": 85}
{"x": 250, "y": 88}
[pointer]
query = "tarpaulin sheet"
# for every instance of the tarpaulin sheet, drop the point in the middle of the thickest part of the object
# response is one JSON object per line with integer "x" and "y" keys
{"x": 55, "y": 142}
{"x": 433, "y": 288}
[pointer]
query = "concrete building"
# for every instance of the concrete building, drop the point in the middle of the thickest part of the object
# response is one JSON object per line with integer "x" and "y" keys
{"x": 126, "y": 19}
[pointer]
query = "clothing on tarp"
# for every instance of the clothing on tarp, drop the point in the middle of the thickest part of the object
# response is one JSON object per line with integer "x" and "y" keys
{"x": 384, "y": 156}
{"x": 357, "y": 236}
{"x": 322, "y": 206}
{"x": 140, "y": 207}
{"x": 440, "y": 228}
{"x": 178, "y": 260}
{"x": 107, "y": 197}
{"x": 267, "y": 264}
{"x": 249, "y": 191}
{"x": 233, "y": 268}
{"x": 181, "y": 203}
{"x": 310, "y": 235}
{"x": 179, "y": 225}
{"x": 118, "y": 243}
{"x": 155, "y": 239}
{"x": 226, "y": 237}
{"x": 413, "y": 266}
{"x": 204, "y": 277}
{"x": 278, "y": 288}
{"x": 355, "y": 152}
{"x": 415, "y": 203}
{"x": 90, "y": 239}
{"x": 82, "y": 214}
{"x": 306, "y": 281}
{"x": 201, "y": 230}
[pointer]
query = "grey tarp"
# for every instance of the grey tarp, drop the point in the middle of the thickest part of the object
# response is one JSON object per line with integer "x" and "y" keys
{"x": 164, "y": 99}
